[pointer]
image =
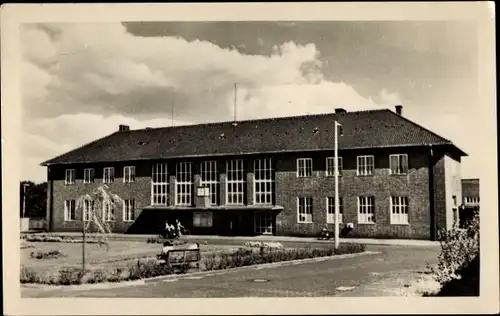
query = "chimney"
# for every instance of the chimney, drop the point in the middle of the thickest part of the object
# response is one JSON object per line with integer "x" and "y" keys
{"x": 340, "y": 111}
{"x": 123, "y": 128}
{"x": 399, "y": 109}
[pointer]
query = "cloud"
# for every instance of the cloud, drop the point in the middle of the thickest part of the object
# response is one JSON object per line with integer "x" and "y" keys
{"x": 390, "y": 99}
{"x": 80, "y": 81}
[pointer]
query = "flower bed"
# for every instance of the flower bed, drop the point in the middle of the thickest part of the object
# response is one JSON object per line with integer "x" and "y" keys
{"x": 148, "y": 268}
{"x": 61, "y": 239}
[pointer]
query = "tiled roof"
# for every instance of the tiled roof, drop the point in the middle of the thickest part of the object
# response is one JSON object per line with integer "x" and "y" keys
{"x": 362, "y": 129}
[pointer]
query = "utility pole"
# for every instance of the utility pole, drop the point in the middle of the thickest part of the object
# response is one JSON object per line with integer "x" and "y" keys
{"x": 337, "y": 239}
{"x": 83, "y": 240}
{"x": 235, "y": 95}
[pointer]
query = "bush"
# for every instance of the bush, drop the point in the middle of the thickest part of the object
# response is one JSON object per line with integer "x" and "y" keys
{"x": 246, "y": 257}
{"x": 53, "y": 254}
{"x": 458, "y": 248}
{"x": 467, "y": 285}
{"x": 173, "y": 242}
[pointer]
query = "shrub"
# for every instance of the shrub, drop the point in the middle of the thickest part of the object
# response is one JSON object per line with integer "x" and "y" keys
{"x": 25, "y": 245}
{"x": 69, "y": 276}
{"x": 458, "y": 248}
{"x": 247, "y": 257}
{"x": 174, "y": 242}
{"x": 53, "y": 254}
{"x": 467, "y": 285}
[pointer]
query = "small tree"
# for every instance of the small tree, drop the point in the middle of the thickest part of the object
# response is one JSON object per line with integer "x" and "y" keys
{"x": 91, "y": 206}
{"x": 459, "y": 247}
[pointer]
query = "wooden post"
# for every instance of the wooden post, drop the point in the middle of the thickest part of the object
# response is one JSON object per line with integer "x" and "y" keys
{"x": 83, "y": 244}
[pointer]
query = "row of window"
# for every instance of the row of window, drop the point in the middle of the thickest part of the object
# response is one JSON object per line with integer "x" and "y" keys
{"x": 398, "y": 165}
{"x": 263, "y": 221}
{"x": 366, "y": 210}
{"x": 108, "y": 212}
{"x": 108, "y": 175}
{"x": 365, "y": 167}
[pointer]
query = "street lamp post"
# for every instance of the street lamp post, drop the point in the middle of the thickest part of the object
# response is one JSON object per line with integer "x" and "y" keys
{"x": 24, "y": 199}
{"x": 336, "y": 162}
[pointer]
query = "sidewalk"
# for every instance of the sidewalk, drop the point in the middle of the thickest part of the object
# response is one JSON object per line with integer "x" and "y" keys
{"x": 266, "y": 238}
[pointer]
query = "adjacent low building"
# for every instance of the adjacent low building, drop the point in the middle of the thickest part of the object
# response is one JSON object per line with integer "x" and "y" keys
{"x": 267, "y": 176}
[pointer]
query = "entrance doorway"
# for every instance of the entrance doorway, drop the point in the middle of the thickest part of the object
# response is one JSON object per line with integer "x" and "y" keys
{"x": 264, "y": 222}
{"x": 232, "y": 224}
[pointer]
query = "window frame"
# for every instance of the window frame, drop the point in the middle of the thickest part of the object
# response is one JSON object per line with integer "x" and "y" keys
{"x": 209, "y": 177}
{"x": 366, "y": 165}
{"x": 305, "y": 199}
{"x": 70, "y": 176}
{"x": 108, "y": 210}
{"x": 86, "y": 203}
{"x": 128, "y": 208}
{"x": 365, "y": 216}
{"x": 130, "y": 174}
{"x": 184, "y": 183}
{"x": 160, "y": 184}
{"x": 305, "y": 160}
{"x": 404, "y": 172}
{"x": 332, "y": 173}
{"x": 239, "y": 170}
{"x": 70, "y": 210}
{"x": 263, "y": 167}
{"x": 110, "y": 178}
{"x": 331, "y": 206}
{"x": 401, "y": 217}
{"x": 91, "y": 175}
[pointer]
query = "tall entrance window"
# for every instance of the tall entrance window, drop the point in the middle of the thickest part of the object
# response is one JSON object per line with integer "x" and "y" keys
{"x": 183, "y": 183}
{"x": 210, "y": 178}
{"x": 264, "y": 181}
{"x": 236, "y": 180}
{"x": 159, "y": 185}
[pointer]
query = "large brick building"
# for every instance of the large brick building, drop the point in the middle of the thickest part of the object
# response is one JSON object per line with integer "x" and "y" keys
{"x": 268, "y": 176}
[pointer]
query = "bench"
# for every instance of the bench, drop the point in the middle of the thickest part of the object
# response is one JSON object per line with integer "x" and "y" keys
{"x": 180, "y": 257}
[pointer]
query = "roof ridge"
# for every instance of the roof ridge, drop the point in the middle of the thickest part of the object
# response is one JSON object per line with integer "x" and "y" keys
{"x": 259, "y": 120}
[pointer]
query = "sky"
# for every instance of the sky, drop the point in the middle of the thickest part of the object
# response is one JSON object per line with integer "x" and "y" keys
{"x": 80, "y": 81}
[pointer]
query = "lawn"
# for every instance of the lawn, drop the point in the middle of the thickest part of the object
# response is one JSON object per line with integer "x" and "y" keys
{"x": 117, "y": 253}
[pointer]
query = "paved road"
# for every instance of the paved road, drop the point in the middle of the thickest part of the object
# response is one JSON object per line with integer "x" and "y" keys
{"x": 369, "y": 275}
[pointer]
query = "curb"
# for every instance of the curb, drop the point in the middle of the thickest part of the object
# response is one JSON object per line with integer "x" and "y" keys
{"x": 109, "y": 285}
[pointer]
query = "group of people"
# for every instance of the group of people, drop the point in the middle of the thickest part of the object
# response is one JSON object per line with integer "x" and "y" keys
{"x": 174, "y": 231}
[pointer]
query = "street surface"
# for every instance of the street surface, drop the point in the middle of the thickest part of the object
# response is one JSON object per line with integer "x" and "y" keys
{"x": 368, "y": 275}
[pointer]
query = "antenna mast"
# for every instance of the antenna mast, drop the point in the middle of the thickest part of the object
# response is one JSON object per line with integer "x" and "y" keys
{"x": 172, "y": 105}
{"x": 235, "y": 94}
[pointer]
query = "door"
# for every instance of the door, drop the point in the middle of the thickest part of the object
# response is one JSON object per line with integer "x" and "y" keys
{"x": 232, "y": 224}
{"x": 264, "y": 222}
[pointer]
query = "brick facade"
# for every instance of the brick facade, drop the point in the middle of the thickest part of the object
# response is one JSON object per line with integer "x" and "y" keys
{"x": 288, "y": 187}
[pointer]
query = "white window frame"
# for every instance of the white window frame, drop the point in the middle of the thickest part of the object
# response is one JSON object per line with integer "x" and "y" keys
{"x": 209, "y": 177}
{"x": 88, "y": 209}
{"x": 108, "y": 211}
{"x": 330, "y": 169}
{"x": 399, "y": 208}
{"x": 160, "y": 186}
{"x": 129, "y": 210}
{"x": 108, "y": 175}
{"x": 88, "y": 175}
{"x": 303, "y": 167}
{"x": 70, "y": 176}
{"x": 69, "y": 208}
{"x": 128, "y": 174}
{"x": 263, "y": 222}
{"x": 206, "y": 219}
{"x": 236, "y": 179}
{"x": 399, "y": 167}
{"x": 367, "y": 204}
{"x": 307, "y": 209}
{"x": 183, "y": 184}
{"x": 330, "y": 210}
{"x": 263, "y": 181}
{"x": 363, "y": 168}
